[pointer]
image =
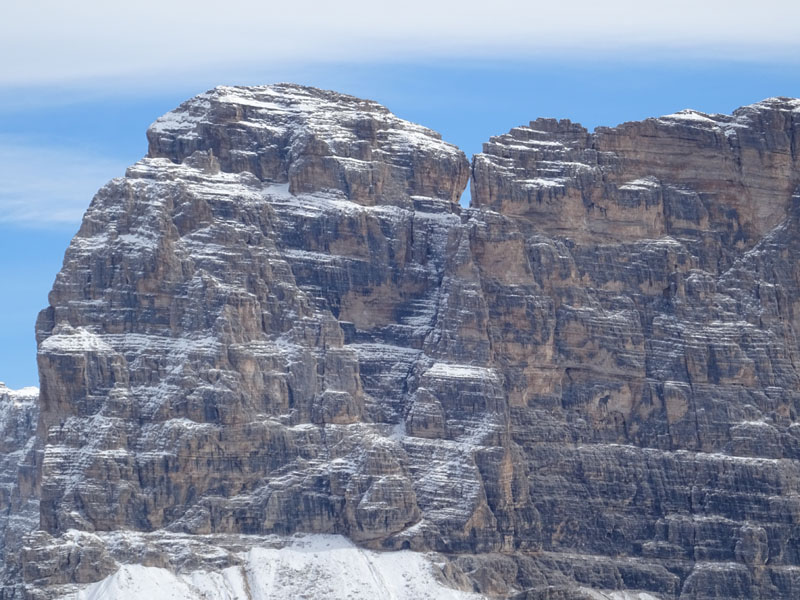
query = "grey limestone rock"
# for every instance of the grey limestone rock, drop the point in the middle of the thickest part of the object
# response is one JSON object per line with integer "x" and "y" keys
{"x": 19, "y": 505}
{"x": 281, "y": 320}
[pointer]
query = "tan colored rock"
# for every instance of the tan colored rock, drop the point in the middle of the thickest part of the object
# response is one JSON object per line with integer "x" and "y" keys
{"x": 282, "y": 321}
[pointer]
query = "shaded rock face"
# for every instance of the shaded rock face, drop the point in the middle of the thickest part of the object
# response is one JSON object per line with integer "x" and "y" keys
{"x": 19, "y": 506}
{"x": 281, "y": 320}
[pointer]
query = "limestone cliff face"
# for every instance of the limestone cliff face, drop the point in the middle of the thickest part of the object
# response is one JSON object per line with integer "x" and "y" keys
{"x": 662, "y": 424}
{"x": 281, "y": 320}
{"x": 720, "y": 180}
{"x": 19, "y": 507}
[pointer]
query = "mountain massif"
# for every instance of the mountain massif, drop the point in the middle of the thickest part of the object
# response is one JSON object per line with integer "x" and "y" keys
{"x": 281, "y": 329}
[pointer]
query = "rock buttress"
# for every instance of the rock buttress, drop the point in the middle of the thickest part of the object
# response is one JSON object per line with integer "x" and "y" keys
{"x": 281, "y": 320}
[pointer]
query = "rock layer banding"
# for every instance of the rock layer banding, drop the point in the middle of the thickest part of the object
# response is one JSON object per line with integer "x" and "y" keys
{"x": 281, "y": 321}
{"x": 19, "y": 505}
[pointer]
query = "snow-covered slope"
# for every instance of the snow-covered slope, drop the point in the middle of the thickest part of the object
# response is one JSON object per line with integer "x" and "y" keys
{"x": 315, "y": 566}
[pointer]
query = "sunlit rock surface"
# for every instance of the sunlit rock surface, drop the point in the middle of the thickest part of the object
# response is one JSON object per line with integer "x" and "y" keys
{"x": 584, "y": 386}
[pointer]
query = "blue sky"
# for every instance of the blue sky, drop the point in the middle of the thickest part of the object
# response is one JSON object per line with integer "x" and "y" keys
{"x": 75, "y": 106}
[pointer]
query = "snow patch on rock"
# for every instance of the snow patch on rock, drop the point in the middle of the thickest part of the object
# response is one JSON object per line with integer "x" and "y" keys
{"x": 313, "y": 566}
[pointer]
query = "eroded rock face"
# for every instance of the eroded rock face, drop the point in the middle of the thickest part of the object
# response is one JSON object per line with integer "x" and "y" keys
{"x": 19, "y": 506}
{"x": 281, "y": 320}
{"x": 314, "y": 140}
{"x": 662, "y": 423}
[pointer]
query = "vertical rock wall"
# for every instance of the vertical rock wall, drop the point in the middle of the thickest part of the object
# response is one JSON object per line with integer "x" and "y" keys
{"x": 281, "y": 320}
{"x": 19, "y": 505}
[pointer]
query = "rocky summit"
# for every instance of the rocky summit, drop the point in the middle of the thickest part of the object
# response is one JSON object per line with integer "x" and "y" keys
{"x": 280, "y": 329}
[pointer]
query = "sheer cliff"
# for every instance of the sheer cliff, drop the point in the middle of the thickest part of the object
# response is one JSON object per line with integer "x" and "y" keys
{"x": 19, "y": 506}
{"x": 282, "y": 321}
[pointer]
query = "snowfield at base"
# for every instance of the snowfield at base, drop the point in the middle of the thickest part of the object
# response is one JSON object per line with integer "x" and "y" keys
{"x": 314, "y": 566}
{"x": 595, "y": 595}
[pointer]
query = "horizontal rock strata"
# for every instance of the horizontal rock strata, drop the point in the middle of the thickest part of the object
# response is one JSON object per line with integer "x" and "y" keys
{"x": 19, "y": 505}
{"x": 281, "y": 321}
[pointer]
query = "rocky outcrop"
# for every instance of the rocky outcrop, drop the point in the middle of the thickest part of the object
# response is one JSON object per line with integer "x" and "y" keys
{"x": 19, "y": 506}
{"x": 282, "y": 321}
{"x": 661, "y": 425}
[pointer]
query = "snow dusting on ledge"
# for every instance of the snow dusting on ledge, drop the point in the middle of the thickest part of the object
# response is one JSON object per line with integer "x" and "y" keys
{"x": 74, "y": 341}
{"x": 455, "y": 371}
{"x": 25, "y": 394}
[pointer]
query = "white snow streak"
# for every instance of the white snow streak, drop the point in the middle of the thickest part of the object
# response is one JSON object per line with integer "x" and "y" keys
{"x": 314, "y": 566}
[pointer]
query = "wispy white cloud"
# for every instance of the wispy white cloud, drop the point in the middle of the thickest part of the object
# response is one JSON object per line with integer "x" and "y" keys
{"x": 49, "y": 186}
{"x": 52, "y": 40}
